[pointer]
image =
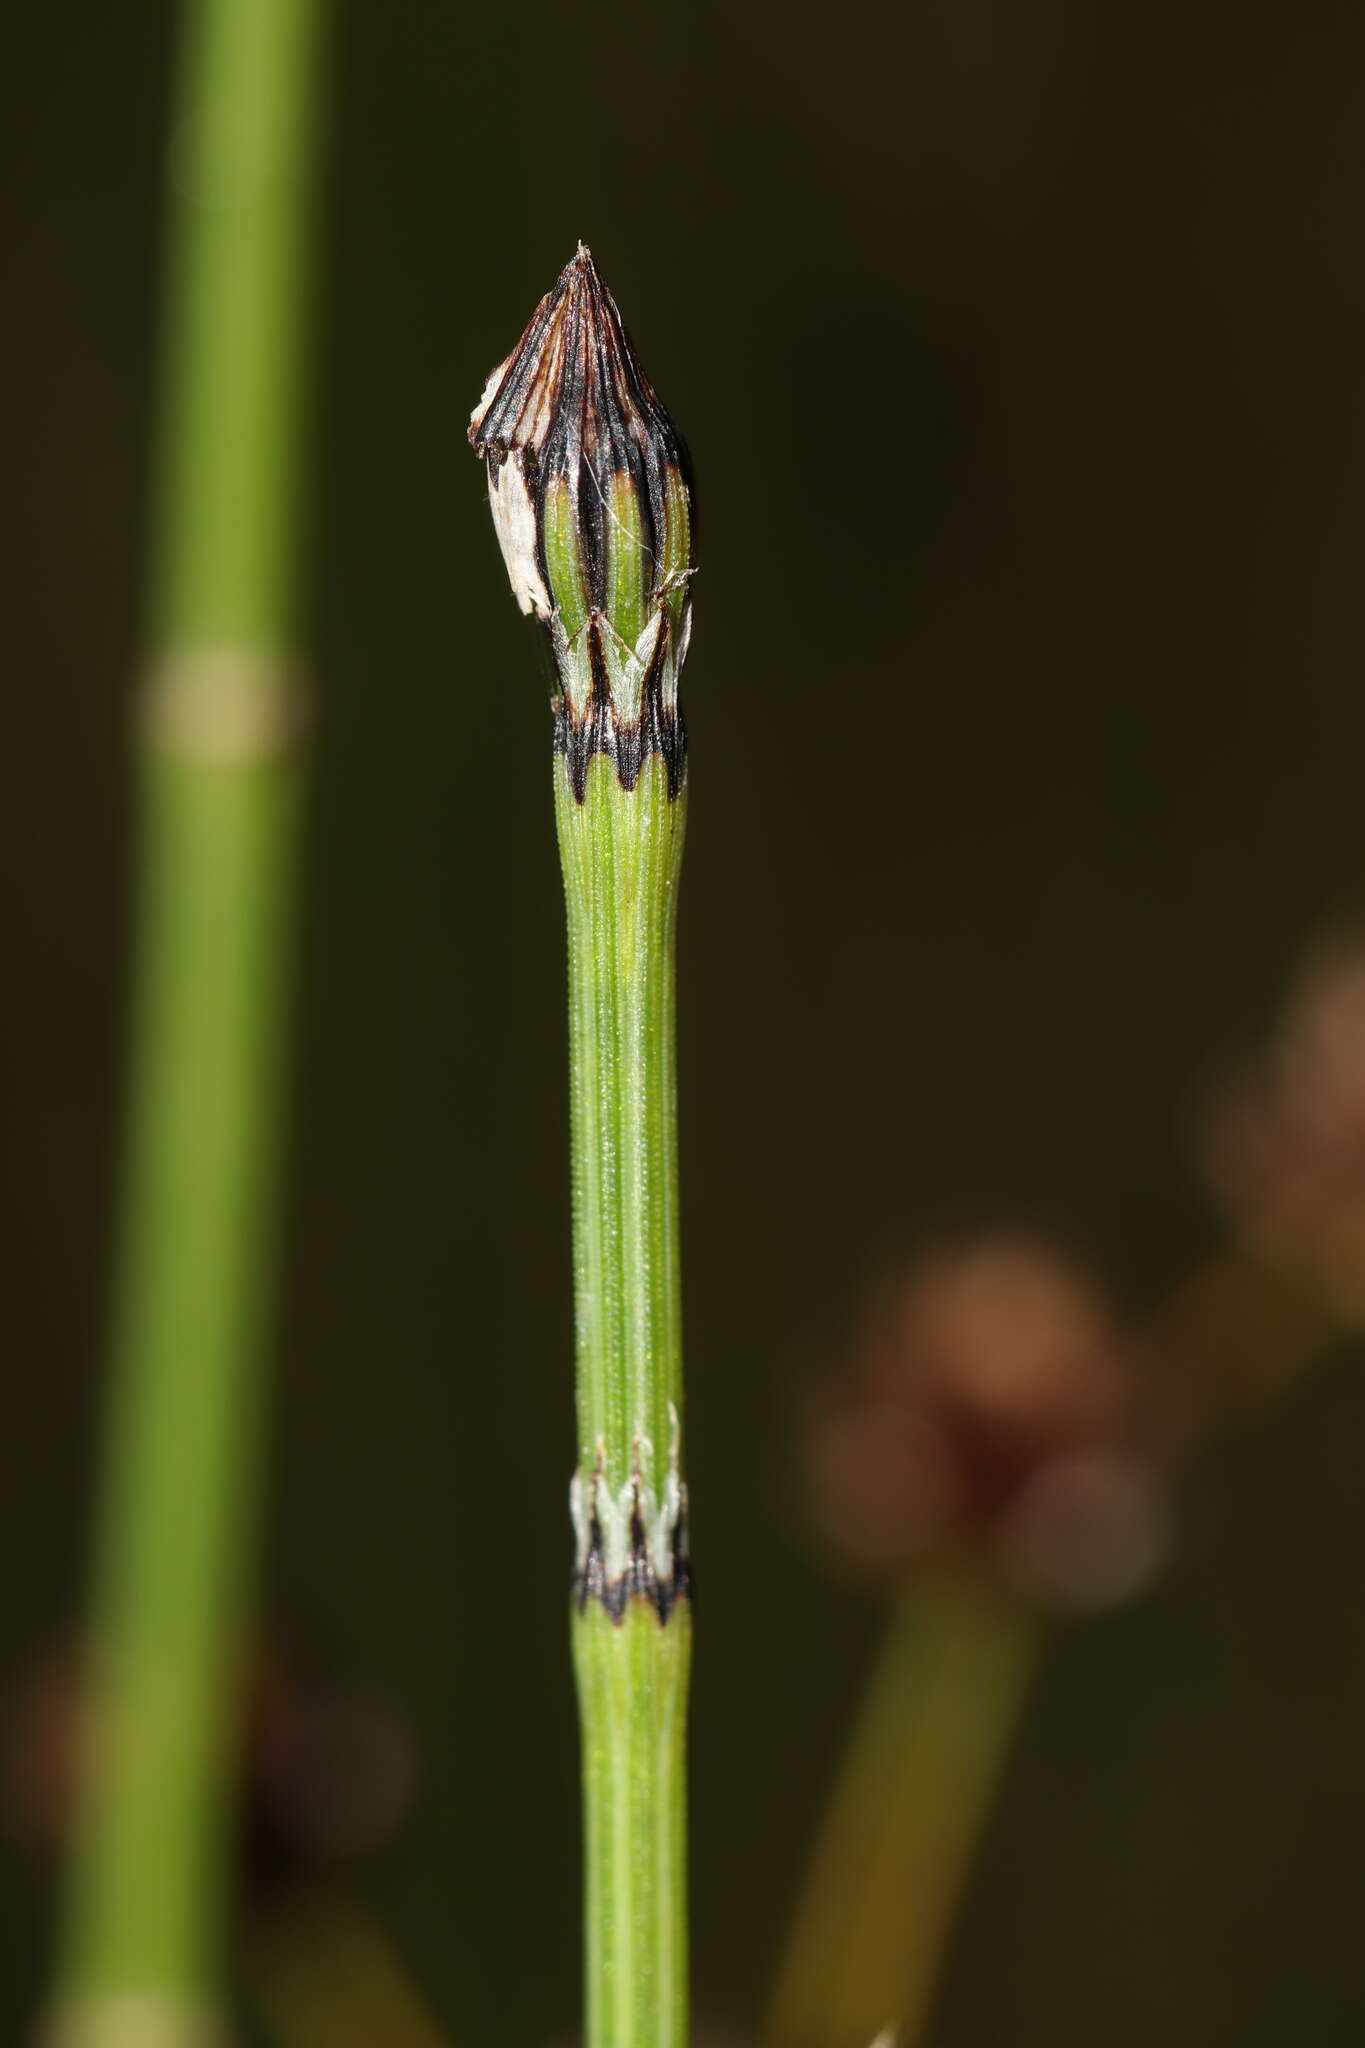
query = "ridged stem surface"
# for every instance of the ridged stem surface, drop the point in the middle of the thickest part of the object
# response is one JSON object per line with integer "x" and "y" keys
{"x": 621, "y": 851}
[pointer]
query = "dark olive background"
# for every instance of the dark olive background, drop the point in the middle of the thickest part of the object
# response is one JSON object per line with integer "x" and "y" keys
{"x": 1022, "y": 354}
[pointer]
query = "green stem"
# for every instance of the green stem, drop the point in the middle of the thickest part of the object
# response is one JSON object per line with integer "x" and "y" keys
{"x": 621, "y": 851}
{"x": 904, "y": 1820}
{"x": 632, "y": 1691}
{"x": 322, "y": 1972}
{"x": 174, "y": 1534}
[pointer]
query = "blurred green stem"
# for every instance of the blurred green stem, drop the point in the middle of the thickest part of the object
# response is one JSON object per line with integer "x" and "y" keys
{"x": 904, "y": 1819}
{"x": 322, "y": 1973}
{"x": 945, "y": 1696}
{"x": 175, "y": 1521}
{"x": 632, "y": 1635}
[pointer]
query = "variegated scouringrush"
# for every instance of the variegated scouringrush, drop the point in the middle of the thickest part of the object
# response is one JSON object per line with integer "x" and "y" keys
{"x": 591, "y": 495}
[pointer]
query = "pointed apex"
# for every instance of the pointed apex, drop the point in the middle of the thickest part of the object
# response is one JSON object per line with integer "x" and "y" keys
{"x": 590, "y": 489}
{"x": 571, "y": 417}
{"x": 575, "y": 363}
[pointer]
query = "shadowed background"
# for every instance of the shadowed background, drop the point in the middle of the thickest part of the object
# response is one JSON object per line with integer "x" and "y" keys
{"x": 1020, "y": 355}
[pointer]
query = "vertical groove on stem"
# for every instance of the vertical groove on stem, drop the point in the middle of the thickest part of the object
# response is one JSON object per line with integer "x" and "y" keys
{"x": 175, "y": 1522}
{"x": 621, "y": 851}
{"x": 589, "y": 486}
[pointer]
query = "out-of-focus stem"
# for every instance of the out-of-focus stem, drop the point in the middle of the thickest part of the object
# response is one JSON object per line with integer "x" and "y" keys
{"x": 936, "y": 1723}
{"x": 1233, "y": 1338}
{"x": 322, "y": 1973}
{"x": 176, "y": 1515}
{"x": 902, "y": 1823}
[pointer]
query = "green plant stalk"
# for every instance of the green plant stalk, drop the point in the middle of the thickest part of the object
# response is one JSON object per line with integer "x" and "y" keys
{"x": 589, "y": 487}
{"x": 321, "y": 1971}
{"x": 632, "y": 1692}
{"x": 907, "y": 1812}
{"x": 944, "y": 1700}
{"x": 621, "y": 851}
{"x": 153, "y": 1828}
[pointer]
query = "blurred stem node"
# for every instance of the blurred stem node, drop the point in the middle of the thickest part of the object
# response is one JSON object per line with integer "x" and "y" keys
{"x": 153, "y": 1827}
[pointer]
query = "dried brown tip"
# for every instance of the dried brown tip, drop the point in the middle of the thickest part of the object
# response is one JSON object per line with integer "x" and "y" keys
{"x": 572, "y": 407}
